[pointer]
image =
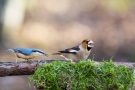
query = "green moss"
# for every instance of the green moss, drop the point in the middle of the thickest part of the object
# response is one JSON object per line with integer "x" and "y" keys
{"x": 85, "y": 75}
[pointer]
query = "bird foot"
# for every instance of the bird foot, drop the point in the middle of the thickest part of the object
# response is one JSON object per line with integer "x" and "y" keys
{"x": 29, "y": 61}
{"x": 16, "y": 65}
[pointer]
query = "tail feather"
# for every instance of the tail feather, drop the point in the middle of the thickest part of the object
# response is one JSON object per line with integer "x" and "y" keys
{"x": 10, "y": 49}
{"x": 56, "y": 54}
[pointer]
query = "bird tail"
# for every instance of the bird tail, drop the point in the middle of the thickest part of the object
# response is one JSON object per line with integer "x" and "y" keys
{"x": 10, "y": 49}
{"x": 56, "y": 54}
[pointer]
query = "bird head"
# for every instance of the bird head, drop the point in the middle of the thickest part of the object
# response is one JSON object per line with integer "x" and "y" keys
{"x": 87, "y": 44}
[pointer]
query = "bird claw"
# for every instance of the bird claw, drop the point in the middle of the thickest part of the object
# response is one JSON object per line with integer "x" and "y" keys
{"x": 16, "y": 65}
{"x": 29, "y": 61}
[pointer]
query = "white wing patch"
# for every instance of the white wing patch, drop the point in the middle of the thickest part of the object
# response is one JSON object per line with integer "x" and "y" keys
{"x": 73, "y": 51}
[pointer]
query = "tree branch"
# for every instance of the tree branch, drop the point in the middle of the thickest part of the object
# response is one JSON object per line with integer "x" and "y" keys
{"x": 28, "y": 68}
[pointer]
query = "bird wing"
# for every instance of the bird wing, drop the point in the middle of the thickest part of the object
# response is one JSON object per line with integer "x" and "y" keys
{"x": 76, "y": 48}
{"x": 72, "y": 50}
{"x": 38, "y": 50}
{"x": 25, "y": 51}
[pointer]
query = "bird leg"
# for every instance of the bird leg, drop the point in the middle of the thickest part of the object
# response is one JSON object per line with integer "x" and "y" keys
{"x": 28, "y": 60}
{"x": 16, "y": 60}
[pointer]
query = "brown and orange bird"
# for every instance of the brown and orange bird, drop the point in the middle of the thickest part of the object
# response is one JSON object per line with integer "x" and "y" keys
{"x": 77, "y": 53}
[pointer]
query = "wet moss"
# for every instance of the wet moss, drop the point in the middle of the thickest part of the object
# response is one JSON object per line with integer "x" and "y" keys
{"x": 85, "y": 75}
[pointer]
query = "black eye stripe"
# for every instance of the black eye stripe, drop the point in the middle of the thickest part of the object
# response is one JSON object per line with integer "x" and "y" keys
{"x": 38, "y": 51}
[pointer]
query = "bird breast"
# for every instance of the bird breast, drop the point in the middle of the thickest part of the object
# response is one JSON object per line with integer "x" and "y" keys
{"x": 83, "y": 54}
{"x": 33, "y": 55}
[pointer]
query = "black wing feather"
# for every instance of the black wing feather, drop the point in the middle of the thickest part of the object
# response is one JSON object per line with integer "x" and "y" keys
{"x": 76, "y": 48}
{"x": 68, "y": 50}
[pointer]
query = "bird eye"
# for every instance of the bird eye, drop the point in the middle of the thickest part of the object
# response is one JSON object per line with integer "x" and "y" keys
{"x": 87, "y": 42}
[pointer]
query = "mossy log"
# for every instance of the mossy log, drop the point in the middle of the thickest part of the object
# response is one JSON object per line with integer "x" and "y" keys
{"x": 28, "y": 68}
{"x": 85, "y": 75}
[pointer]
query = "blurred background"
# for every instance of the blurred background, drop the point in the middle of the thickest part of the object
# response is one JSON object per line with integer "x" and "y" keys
{"x": 53, "y": 25}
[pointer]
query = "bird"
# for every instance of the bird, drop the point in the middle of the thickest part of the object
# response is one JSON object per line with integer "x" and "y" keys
{"x": 77, "y": 53}
{"x": 26, "y": 53}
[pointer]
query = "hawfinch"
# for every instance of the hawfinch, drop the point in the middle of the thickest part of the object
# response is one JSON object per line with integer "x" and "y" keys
{"x": 77, "y": 53}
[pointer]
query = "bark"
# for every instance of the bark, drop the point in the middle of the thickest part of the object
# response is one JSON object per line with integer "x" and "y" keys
{"x": 28, "y": 68}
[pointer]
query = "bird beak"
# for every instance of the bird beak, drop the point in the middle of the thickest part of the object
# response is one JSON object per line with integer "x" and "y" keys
{"x": 90, "y": 44}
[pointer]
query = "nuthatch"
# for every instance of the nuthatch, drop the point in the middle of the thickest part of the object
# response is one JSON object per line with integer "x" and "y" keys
{"x": 79, "y": 52}
{"x": 27, "y": 53}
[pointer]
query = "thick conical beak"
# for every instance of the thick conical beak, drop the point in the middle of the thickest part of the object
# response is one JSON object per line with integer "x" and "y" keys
{"x": 91, "y": 45}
